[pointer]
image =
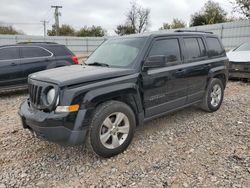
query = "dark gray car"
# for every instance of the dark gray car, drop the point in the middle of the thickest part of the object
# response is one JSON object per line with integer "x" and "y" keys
{"x": 20, "y": 60}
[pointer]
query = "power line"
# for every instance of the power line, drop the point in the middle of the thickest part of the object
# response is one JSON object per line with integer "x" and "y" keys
{"x": 33, "y": 25}
{"x": 47, "y": 14}
{"x": 44, "y": 22}
{"x": 20, "y": 23}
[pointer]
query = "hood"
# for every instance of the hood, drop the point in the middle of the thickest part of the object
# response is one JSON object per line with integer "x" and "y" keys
{"x": 239, "y": 56}
{"x": 76, "y": 74}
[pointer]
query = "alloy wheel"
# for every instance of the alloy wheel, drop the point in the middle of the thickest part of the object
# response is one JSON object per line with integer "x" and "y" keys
{"x": 216, "y": 95}
{"x": 114, "y": 130}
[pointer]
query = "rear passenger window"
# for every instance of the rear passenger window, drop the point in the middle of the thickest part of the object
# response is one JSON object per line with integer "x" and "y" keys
{"x": 214, "y": 47}
{"x": 31, "y": 52}
{"x": 9, "y": 53}
{"x": 59, "y": 50}
{"x": 195, "y": 48}
{"x": 168, "y": 47}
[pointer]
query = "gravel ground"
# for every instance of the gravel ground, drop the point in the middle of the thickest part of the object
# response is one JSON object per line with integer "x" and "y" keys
{"x": 189, "y": 148}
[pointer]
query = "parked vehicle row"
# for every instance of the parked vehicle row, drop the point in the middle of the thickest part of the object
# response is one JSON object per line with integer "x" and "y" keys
{"x": 20, "y": 60}
{"x": 240, "y": 61}
{"x": 125, "y": 82}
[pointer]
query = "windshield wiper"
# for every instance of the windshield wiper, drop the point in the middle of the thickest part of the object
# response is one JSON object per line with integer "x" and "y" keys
{"x": 98, "y": 64}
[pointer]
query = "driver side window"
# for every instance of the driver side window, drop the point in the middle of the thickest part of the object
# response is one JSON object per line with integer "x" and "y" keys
{"x": 169, "y": 48}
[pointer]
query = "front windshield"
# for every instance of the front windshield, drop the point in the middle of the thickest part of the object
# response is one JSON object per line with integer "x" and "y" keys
{"x": 118, "y": 52}
{"x": 243, "y": 47}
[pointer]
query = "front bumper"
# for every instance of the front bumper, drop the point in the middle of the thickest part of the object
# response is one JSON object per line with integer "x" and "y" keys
{"x": 238, "y": 74}
{"x": 239, "y": 70}
{"x": 54, "y": 127}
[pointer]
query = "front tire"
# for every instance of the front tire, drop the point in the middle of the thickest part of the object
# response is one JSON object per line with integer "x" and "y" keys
{"x": 213, "y": 96}
{"x": 112, "y": 128}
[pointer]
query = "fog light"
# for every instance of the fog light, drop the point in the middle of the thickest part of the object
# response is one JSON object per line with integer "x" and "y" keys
{"x": 71, "y": 108}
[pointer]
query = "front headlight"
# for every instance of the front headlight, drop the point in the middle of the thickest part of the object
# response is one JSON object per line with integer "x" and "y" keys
{"x": 51, "y": 96}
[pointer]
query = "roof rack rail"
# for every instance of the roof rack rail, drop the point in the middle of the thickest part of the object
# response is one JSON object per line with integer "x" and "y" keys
{"x": 179, "y": 30}
{"x": 37, "y": 43}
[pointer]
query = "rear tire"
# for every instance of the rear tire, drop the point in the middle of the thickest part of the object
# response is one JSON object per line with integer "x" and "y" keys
{"x": 213, "y": 96}
{"x": 112, "y": 128}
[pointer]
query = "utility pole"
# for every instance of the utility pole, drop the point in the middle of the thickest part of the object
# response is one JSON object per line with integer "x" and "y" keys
{"x": 57, "y": 14}
{"x": 44, "y": 27}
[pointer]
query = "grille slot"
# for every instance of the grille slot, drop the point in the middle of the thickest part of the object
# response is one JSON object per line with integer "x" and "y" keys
{"x": 35, "y": 94}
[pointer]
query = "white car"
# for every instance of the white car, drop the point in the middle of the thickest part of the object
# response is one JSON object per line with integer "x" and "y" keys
{"x": 239, "y": 59}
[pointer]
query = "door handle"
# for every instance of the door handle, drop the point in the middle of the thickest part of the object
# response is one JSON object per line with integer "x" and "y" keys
{"x": 207, "y": 65}
{"x": 180, "y": 71}
{"x": 13, "y": 64}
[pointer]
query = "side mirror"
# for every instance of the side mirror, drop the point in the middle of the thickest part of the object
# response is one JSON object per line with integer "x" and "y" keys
{"x": 155, "y": 61}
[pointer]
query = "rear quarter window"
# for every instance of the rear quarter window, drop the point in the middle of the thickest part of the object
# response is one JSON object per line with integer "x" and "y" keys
{"x": 60, "y": 50}
{"x": 33, "y": 52}
{"x": 214, "y": 47}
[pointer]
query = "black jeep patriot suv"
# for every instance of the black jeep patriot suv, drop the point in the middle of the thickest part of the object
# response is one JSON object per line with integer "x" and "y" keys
{"x": 125, "y": 82}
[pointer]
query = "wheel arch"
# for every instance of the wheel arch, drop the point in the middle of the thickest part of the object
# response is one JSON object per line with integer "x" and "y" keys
{"x": 220, "y": 73}
{"x": 221, "y": 77}
{"x": 126, "y": 93}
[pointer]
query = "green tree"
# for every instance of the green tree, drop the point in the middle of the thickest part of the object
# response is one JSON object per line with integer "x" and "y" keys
{"x": 124, "y": 30}
{"x": 64, "y": 30}
{"x": 9, "y": 30}
{"x": 211, "y": 13}
{"x": 165, "y": 26}
{"x": 242, "y": 7}
{"x": 94, "y": 31}
{"x": 176, "y": 23}
{"x": 137, "y": 20}
{"x": 198, "y": 19}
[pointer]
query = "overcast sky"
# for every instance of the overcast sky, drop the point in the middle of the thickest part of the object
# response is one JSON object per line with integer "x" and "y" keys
{"x": 106, "y": 13}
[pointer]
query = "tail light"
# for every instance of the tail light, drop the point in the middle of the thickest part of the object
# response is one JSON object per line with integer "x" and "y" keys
{"x": 75, "y": 59}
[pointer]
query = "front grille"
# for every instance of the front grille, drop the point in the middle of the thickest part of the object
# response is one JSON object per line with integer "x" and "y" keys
{"x": 35, "y": 94}
{"x": 240, "y": 67}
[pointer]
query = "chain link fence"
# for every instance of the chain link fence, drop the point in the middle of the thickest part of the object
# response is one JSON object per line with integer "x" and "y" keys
{"x": 232, "y": 34}
{"x": 78, "y": 45}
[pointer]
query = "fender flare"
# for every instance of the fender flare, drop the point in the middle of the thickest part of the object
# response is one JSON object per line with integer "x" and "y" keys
{"x": 109, "y": 92}
{"x": 130, "y": 90}
{"x": 220, "y": 70}
{"x": 217, "y": 70}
